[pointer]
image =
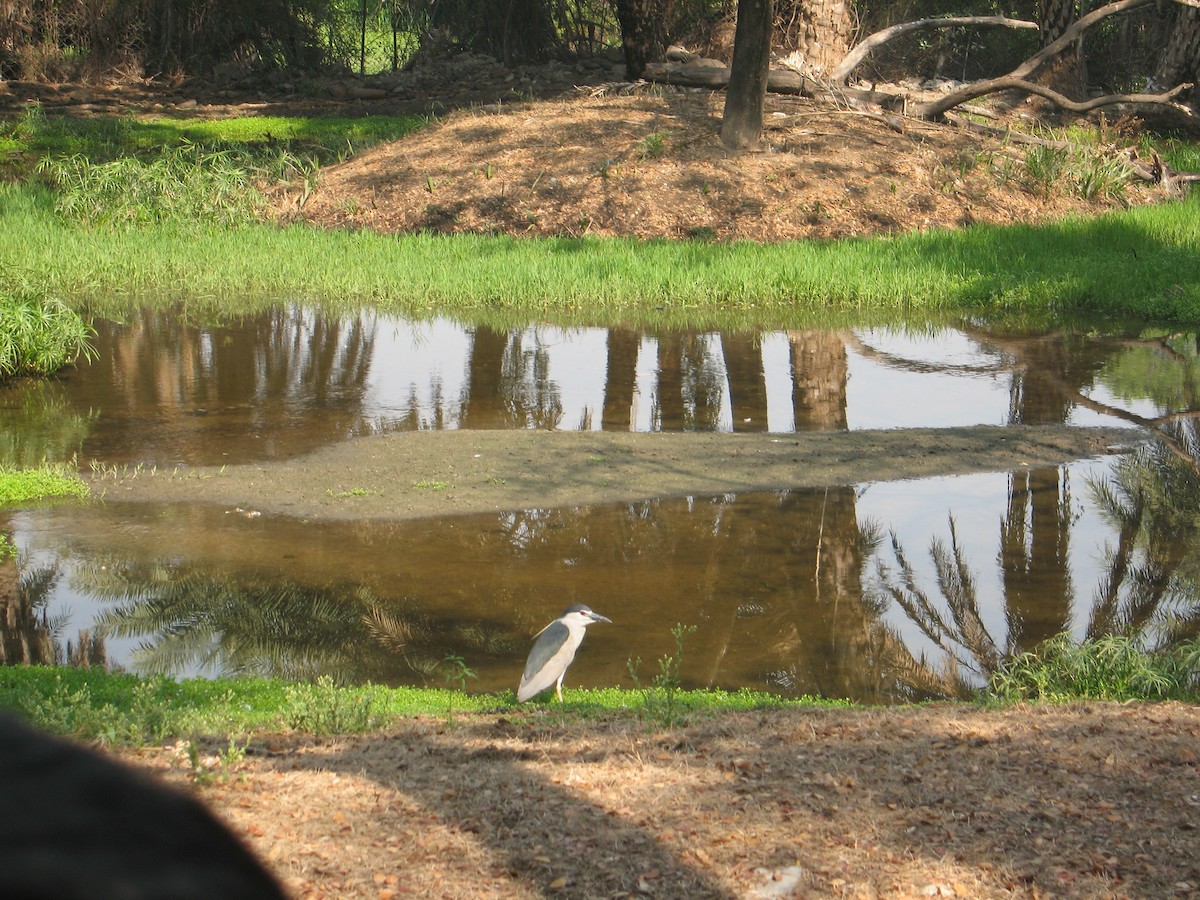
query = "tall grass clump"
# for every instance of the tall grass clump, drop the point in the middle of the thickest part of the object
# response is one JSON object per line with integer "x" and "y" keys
{"x": 38, "y": 334}
{"x": 1086, "y": 172}
{"x": 182, "y": 183}
{"x": 1108, "y": 668}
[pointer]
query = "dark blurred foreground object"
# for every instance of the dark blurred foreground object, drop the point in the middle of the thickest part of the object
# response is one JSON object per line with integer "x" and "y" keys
{"x": 75, "y": 825}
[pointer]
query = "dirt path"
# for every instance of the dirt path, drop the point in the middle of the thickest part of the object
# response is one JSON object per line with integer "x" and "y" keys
{"x": 414, "y": 475}
{"x": 1096, "y": 800}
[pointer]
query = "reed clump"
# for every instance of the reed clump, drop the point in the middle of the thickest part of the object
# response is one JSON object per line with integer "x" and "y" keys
{"x": 1108, "y": 668}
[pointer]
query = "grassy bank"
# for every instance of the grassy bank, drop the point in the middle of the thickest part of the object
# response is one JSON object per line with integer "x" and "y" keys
{"x": 1141, "y": 262}
{"x": 121, "y": 708}
{"x": 174, "y": 211}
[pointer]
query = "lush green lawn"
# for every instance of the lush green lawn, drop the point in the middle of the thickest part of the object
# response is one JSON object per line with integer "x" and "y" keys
{"x": 1141, "y": 262}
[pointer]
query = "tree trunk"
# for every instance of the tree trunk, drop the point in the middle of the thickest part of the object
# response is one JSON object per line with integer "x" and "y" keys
{"x": 826, "y": 33}
{"x": 741, "y": 124}
{"x": 1180, "y": 60}
{"x": 639, "y": 35}
{"x": 1067, "y": 74}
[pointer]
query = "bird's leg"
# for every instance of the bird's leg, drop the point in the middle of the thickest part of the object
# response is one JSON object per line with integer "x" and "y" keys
{"x": 558, "y": 687}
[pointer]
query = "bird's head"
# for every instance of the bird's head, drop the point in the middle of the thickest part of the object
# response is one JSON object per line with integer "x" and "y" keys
{"x": 582, "y": 615}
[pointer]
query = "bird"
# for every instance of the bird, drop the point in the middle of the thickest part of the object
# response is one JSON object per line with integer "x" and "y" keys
{"x": 554, "y": 650}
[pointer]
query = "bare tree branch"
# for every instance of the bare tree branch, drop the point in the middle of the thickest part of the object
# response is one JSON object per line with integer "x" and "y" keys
{"x": 934, "y": 108}
{"x": 856, "y": 56}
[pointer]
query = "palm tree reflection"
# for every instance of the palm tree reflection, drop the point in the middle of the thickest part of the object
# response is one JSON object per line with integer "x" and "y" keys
{"x": 1149, "y": 589}
{"x": 28, "y": 634}
{"x": 234, "y": 624}
{"x": 1152, "y": 501}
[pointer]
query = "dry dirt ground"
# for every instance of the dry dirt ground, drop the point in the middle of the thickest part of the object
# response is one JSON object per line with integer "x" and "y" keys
{"x": 1096, "y": 800}
{"x": 652, "y": 165}
{"x": 1091, "y": 800}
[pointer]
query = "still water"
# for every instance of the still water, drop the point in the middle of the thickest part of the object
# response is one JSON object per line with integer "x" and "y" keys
{"x": 860, "y": 591}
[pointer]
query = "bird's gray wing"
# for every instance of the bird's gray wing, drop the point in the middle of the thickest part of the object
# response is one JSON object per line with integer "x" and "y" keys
{"x": 551, "y": 654}
{"x": 550, "y": 641}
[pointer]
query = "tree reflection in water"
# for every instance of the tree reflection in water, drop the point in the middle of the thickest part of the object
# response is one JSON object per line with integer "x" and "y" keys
{"x": 28, "y": 634}
{"x": 195, "y": 620}
{"x": 1149, "y": 589}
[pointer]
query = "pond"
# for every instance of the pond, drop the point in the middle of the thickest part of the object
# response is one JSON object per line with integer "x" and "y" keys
{"x": 876, "y": 591}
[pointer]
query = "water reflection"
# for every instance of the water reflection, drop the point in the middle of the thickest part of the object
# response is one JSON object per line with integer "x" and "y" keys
{"x": 165, "y": 391}
{"x": 877, "y": 592}
{"x": 880, "y": 592}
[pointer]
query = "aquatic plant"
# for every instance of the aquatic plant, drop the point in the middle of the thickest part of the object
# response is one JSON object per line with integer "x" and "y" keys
{"x": 19, "y": 486}
{"x": 38, "y": 334}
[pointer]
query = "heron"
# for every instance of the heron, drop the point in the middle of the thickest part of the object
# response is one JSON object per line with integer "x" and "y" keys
{"x": 554, "y": 650}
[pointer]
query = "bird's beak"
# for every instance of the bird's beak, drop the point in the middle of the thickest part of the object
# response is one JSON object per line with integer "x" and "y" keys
{"x": 596, "y": 617}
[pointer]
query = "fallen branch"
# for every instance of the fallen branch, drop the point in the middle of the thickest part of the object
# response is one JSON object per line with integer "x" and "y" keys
{"x": 779, "y": 81}
{"x": 935, "y": 108}
{"x": 1158, "y": 172}
{"x": 843, "y": 69}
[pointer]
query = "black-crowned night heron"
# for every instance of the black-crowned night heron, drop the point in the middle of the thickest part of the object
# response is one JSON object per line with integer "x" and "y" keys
{"x": 554, "y": 650}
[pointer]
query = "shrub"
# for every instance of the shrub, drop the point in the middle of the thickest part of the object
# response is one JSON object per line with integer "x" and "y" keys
{"x": 39, "y": 335}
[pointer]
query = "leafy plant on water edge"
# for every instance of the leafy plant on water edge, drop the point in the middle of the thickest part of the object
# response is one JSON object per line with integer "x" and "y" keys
{"x": 455, "y": 672}
{"x": 1108, "y": 668}
{"x": 38, "y": 334}
{"x": 41, "y": 483}
{"x": 661, "y": 697}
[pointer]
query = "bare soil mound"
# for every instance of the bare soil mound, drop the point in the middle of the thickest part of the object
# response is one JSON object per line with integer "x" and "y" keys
{"x": 652, "y": 165}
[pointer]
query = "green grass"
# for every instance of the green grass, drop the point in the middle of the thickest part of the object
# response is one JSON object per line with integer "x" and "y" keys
{"x": 121, "y": 708}
{"x": 142, "y": 171}
{"x": 1137, "y": 262}
{"x": 1109, "y": 668}
{"x": 21, "y": 486}
{"x": 104, "y": 138}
